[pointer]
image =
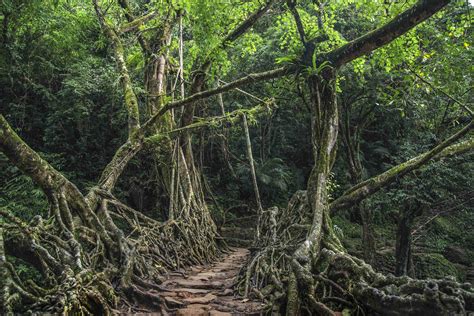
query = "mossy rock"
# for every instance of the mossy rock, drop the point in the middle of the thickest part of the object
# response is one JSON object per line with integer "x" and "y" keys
{"x": 346, "y": 228}
{"x": 353, "y": 245}
{"x": 459, "y": 255}
{"x": 463, "y": 272}
{"x": 385, "y": 260}
{"x": 434, "y": 265}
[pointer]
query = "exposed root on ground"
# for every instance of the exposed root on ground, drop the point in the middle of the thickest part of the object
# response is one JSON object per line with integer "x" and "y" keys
{"x": 332, "y": 280}
{"x": 91, "y": 268}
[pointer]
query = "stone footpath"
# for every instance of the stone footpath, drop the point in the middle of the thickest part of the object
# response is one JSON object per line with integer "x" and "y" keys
{"x": 207, "y": 290}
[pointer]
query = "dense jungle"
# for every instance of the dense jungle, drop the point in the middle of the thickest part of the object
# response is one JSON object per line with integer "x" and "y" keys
{"x": 236, "y": 157}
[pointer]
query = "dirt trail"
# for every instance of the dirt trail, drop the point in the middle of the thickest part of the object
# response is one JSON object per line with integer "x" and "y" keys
{"x": 207, "y": 290}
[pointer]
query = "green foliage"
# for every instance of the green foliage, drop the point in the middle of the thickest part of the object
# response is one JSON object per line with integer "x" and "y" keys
{"x": 273, "y": 175}
{"x": 19, "y": 194}
{"x": 433, "y": 265}
{"x": 59, "y": 89}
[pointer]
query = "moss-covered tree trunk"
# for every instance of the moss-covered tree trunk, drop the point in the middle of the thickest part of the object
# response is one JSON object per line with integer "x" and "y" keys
{"x": 359, "y": 212}
{"x": 4, "y": 276}
{"x": 324, "y": 127}
{"x": 403, "y": 246}
{"x": 155, "y": 74}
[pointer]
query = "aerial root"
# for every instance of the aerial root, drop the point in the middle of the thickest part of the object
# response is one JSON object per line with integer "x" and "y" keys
{"x": 331, "y": 280}
{"x": 90, "y": 266}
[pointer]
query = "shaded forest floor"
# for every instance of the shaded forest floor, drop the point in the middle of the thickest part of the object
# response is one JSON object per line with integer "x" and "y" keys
{"x": 443, "y": 241}
{"x": 208, "y": 290}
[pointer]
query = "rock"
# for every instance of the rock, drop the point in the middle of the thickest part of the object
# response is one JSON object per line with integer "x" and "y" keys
{"x": 206, "y": 289}
{"x": 173, "y": 303}
{"x": 218, "y": 313}
{"x": 192, "y": 312}
{"x": 192, "y": 291}
{"x": 206, "y": 299}
{"x": 456, "y": 255}
{"x": 227, "y": 292}
{"x": 196, "y": 284}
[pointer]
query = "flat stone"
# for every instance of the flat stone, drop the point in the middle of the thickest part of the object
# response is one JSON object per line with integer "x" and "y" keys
{"x": 227, "y": 292}
{"x": 199, "y": 277}
{"x": 206, "y": 290}
{"x": 178, "y": 274}
{"x": 173, "y": 303}
{"x": 192, "y": 291}
{"x": 206, "y": 299}
{"x": 218, "y": 313}
{"x": 196, "y": 284}
{"x": 213, "y": 275}
{"x": 192, "y": 312}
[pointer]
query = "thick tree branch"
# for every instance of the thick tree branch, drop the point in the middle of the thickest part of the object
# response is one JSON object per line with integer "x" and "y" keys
{"x": 299, "y": 24}
{"x": 256, "y": 77}
{"x": 130, "y": 17}
{"x": 247, "y": 24}
{"x": 401, "y": 24}
{"x": 231, "y": 118}
{"x": 136, "y": 23}
{"x": 44, "y": 175}
{"x": 131, "y": 101}
{"x": 114, "y": 169}
{"x": 27, "y": 160}
{"x": 372, "y": 185}
{"x": 200, "y": 75}
{"x": 133, "y": 144}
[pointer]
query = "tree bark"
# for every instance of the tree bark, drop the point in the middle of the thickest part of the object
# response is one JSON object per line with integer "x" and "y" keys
{"x": 398, "y": 26}
{"x": 368, "y": 187}
{"x": 403, "y": 250}
{"x": 324, "y": 126}
{"x": 4, "y": 276}
{"x": 52, "y": 182}
{"x": 254, "y": 176}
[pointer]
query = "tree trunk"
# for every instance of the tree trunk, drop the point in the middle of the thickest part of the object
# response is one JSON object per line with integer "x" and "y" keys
{"x": 4, "y": 276}
{"x": 368, "y": 236}
{"x": 324, "y": 126}
{"x": 403, "y": 251}
{"x": 254, "y": 176}
{"x": 155, "y": 86}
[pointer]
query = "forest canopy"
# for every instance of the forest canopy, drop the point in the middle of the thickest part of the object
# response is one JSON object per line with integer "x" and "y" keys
{"x": 320, "y": 152}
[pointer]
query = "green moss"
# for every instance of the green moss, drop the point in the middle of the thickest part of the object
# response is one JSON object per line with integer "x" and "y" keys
{"x": 462, "y": 272}
{"x": 444, "y": 224}
{"x": 349, "y": 233}
{"x": 346, "y": 227}
{"x": 434, "y": 265}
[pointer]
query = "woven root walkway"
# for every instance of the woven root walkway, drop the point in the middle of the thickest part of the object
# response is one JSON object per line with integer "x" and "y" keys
{"x": 207, "y": 290}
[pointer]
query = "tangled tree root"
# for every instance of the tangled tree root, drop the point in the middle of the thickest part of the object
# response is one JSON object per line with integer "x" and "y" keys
{"x": 90, "y": 271}
{"x": 93, "y": 252}
{"x": 332, "y": 280}
{"x": 390, "y": 295}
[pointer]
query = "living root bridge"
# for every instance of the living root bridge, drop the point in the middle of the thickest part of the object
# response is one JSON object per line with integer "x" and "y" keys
{"x": 88, "y": 264}
{"x": 324, "y": 279}
{"x": 337, "y": 281}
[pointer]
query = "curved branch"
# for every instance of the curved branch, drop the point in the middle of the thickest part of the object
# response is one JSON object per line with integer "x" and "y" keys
{"x": 372, "y": 185}
{"x": 137, "y": 22}
{"x": 44, "y": 175}
{"x": 131, "y": 101}
{"x": 247, "y": 24}
{"x": 299, "y": 24}
{"x": 401, "y": 24}
{"x": 256, "y": 77}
